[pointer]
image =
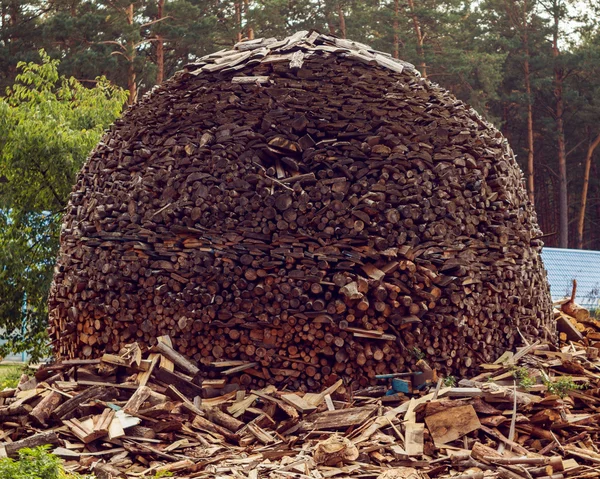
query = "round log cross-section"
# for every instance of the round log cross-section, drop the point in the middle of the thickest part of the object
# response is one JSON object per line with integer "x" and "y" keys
{"x": 310, "y": 206}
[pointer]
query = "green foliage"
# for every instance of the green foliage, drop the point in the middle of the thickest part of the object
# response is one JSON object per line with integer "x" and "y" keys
{"x": 10, "y": 375}
{"x": 450, "y": 381}
{"x": 35, "y": 463}
{"x": 562, "y": 386}
{"x": 417, "y": 353}
{"x": 523, "y": 376}
{"x": 160, "y": 475}
{"x": 48, "y": 126}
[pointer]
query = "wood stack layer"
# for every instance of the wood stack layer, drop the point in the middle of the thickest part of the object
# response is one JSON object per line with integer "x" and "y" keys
{"x": 308, "y": 206}
{"x": 139, "y": 415}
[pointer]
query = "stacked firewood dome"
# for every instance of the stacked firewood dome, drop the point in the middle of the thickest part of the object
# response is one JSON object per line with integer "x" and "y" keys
{"x": 307, "y": 209}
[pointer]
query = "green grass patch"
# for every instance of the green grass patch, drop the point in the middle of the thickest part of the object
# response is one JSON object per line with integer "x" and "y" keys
{"x": 10, "y": 375}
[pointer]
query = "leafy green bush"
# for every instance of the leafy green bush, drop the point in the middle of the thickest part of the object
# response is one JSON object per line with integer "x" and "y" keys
{"x": 48, "y": 126}
{"x": 562, "y": 386}
{"x": 450, "y": 381}
{"x": 36, "y": 463}
{"x": 524, "y": 377}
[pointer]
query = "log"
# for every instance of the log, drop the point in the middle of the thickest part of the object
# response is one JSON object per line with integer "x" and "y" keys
{"x": 45, "y": 407}
{"x": 96, "y": 393}
{"x": 43, "y": 438}
{"x": 324, "y": 210}
{"x": 223, "y": 419}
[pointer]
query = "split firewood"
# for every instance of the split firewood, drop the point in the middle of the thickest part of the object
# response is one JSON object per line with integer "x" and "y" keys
{"x": 45, "y": 407}
{"x": 324, "y": 213}
{"x": 335, "y": 450}
{"x": 437, "y": 432}
{"x": 41, "y": 439}
{"x": 571, "y": 308}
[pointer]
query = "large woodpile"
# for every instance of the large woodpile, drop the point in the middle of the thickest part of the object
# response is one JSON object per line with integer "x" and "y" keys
{"x": 308, "y": 210}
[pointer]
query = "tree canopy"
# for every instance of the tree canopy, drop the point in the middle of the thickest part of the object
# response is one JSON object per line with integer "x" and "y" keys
{"x": 48, "y": 126}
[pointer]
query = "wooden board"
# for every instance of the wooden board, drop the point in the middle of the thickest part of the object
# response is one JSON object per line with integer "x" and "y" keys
{"x": 449, "y": 425}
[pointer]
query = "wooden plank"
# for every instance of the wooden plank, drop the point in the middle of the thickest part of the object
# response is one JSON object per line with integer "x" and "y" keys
{"x": 299, "y": 403}
{"x": 143, "y": 377}
{"x": 451, "y": 424}
{"x": 414, "y": 438}
{"x": 564, "y": 325}
{"x": 339, "y": 419}
{"x": 166, "y": 363}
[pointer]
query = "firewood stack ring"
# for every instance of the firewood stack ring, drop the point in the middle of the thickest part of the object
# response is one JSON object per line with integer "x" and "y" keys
{"x": 307, "y": 210}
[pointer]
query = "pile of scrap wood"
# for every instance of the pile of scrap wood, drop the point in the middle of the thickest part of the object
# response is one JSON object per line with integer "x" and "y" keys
{"x": 531, "y": 414}
{"x": 575, "y": 323}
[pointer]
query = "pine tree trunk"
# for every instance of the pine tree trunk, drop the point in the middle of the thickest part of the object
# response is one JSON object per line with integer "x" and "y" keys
{"x": 562, "y": 169}
{"x": 518, "y": 20}
{"x": 330, "y": 25}
{"x": 160, "y": 48}
{"x": 586, "y": 181}
{"x": 131, "y": 75}
{"x": 14, "y": 12}
{"x": 396, "y": 29}
{"x": 420, "y": 38}
{"x": 249, "y": 29}
{"x": 238, "y": 21}
{"x": 327, "y": 12}
{"x": 563, "y": 203}
{"x": 342, "y": 21}
{"x": 530, "y": 146}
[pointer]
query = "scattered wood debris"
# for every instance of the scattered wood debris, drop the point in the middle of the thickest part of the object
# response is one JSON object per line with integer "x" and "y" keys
{"x": 532, "y": 414}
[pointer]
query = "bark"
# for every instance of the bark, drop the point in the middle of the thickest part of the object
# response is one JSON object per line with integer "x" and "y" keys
{"x": 249, "y": 29}
{"x": 14, "y": 14}
{"x": 131, "y": 74}
{"x": 560, "y": 130}
{"x": 396, "y": 29}
{"x": 238, "y": 21}
{"x": 43, "y": 438}
{"x": 584, "y": 191}
{"x": 420, "y": 38}
{"x": 342, "y": 21}
{"x": 530, "y": 146}
{"x": 160, "y": 48}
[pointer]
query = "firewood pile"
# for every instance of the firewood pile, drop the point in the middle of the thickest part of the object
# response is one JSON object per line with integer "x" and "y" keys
{"x": 308, "y": 205}
{"x": 575, "y": 323}
{"x": 531, "y": 414}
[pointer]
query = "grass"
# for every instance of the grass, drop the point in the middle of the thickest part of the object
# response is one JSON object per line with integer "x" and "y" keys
{"x": 10, "y": 375}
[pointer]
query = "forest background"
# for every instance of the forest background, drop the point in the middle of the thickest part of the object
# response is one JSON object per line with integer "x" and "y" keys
{"x": 531, "y": 67}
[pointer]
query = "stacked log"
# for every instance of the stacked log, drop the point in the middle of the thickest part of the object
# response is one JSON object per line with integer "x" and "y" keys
{"x": 306, "y": 209}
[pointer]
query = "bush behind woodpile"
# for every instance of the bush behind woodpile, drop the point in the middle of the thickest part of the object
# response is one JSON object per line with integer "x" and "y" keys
{"x": 310, "y": 206}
